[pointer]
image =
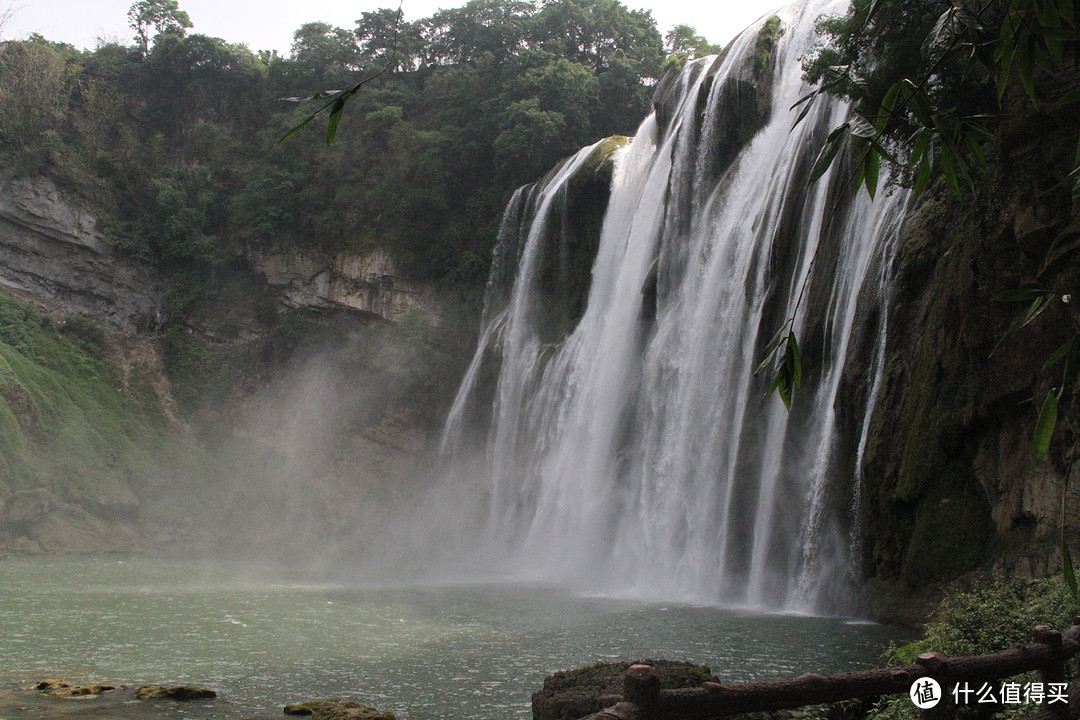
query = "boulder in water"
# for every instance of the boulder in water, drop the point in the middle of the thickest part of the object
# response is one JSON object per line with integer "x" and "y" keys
{"x": 577, "y": 693}
{"x": 174, "y": 692}
{"x": 337, "y": 710}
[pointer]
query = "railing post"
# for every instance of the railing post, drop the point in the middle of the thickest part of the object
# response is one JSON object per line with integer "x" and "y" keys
{"x": 934, "y": 664}
{"x": 642, "y": 688}
{"x": 1054, "y": 671}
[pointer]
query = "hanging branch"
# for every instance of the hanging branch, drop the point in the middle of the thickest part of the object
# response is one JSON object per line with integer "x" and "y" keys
{"x": 335, "y": 101}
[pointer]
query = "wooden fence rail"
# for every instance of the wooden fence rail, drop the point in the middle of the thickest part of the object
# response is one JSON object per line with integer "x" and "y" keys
{"x": 644, "y": 700}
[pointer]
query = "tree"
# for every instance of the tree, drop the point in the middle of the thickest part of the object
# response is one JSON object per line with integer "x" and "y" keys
{"x": 683, "y": 41}
{"x": 461, "y": 35}
{"x": 323, "y": 56}
{"x": 163, "y": 16}
{"x": 596, "y": 32}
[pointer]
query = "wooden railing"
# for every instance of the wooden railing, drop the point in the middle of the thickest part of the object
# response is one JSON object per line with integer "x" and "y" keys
{"x": 644, "y": 700}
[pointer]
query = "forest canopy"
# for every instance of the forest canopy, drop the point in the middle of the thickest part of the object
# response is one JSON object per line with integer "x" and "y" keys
{"x": 174, "y": 139}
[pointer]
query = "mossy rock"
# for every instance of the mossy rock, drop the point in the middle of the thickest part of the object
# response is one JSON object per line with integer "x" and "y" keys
{"x": 766, "y": 43}
{"x": 576, "y": 693}
{"x": 174, "y": 692}
{"x": 337, "y": 710}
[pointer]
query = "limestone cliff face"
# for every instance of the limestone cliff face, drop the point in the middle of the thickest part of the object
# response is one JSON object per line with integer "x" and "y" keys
{"x": 949, "y": 474}
{"x": 51, "y": 246}
{"x": 366, "y": 282}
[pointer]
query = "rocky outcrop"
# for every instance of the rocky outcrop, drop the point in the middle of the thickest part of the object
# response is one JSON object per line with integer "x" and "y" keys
{"x": 577, "y": 693}
{"x": 51, "y": 245}
{"x": 320, "y": 281}
{"x": 337, "y": 710}
{"x": 174, "y": 692}
{"x": 949, "y": 475}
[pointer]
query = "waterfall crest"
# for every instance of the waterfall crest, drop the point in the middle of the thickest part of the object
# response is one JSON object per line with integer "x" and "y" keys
{"x": 634, "y": 453}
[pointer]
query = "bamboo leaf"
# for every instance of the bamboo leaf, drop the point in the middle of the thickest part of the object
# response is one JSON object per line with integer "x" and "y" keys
{"x": 1038, "y": 305}
{"x": 828, "y": 153}
{"x": 1070, "y": 98}
{"x": 918, "y": 102}
{"x": 919, "y": 148}
{"x": 861, "y": 127}
{"x": 796, "y": 360}
{"x": 807, "y": 101}
{"x": 888, "y": 107}
{"x": 940, "y": 34}
{"x": 774, "y": 344}
{"x": 922, "y": 176}
{"x": 1059, "y": 353}
{"x": 1044, "y": 427}
{"x": 948, "y": 168}
{"x": 1057, "y": 250}
{"x": 1019, "y": 295}
{"x": 335, "y": 117}
{"x": 872, "y": 161}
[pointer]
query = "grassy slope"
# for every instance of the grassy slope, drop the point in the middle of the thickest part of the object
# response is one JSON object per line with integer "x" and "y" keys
{"x": 75, "y": 432}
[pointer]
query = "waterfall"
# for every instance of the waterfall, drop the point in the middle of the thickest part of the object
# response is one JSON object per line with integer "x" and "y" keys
{"x": 632, "y": 452}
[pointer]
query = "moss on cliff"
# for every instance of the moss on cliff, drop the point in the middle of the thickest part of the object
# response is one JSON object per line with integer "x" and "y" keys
{"x": 766, "y": 43}
{"x": 83, "y": 439}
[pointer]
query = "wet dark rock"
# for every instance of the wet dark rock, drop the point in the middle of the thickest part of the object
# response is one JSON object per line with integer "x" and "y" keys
{"x": 576, "y": 693}
{"x": 62, "y": 688}
{"x": 337, "y": 710}
{"x": 174, "y": 692}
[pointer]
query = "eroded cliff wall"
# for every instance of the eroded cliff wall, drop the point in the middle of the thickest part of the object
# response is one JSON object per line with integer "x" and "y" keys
{"x": 949, "y": 471}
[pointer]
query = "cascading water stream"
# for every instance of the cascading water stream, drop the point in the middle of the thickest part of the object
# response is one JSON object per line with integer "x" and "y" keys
{"x": 635, "y": 454}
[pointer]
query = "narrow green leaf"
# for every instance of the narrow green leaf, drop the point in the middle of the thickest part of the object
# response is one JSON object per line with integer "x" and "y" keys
{"x": 807, "y": 101}
{"x": 1070, "y": 98}
{"x": 1025, "y": 67}
{"x": 948, "y": 168}
{"x": 872, "y": 162}
{"x": 1003, "y": 76}
{"x": 1038, "y": 305}
{"x": 888, "y": 107}
{"x": 918, "y": 102}
{"x": 919, "y": 148}
{"x": 1019, "y": 295}
{"x": 940, "y": 34}
{"x": 828, "y": 153}
{"x": 1059, "y": 353}
{"x": 1057, "y": 250}
{"x": 922, "y": 177}
{"x": 298, "y": 128}
{"x": 770, "y": 349}
{"x": 975, "y": 150}
{"x": 335, "y": 117}
{"x": 796, "y": 354}
{"x": 1044, "y": 427}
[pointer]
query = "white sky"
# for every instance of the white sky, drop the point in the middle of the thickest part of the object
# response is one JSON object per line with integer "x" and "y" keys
{"x": 269, "y": 24}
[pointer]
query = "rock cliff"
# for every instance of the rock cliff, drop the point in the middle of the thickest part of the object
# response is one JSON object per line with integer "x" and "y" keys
{"x": 949, "y": 473}
{"x": 317, "y": 280}
{"x": 50, "y": 245}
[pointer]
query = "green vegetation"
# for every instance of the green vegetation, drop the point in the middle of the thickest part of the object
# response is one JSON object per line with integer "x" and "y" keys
{"x": 931, "y": 86}
{"x": 766, "y": 43}
{"x": 987, "y": 618}
{"x": 174, "y": 140}
{"x": 68, "y": 419}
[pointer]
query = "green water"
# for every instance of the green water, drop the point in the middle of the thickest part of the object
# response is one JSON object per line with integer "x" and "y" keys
{"x": 263, "y": 638}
